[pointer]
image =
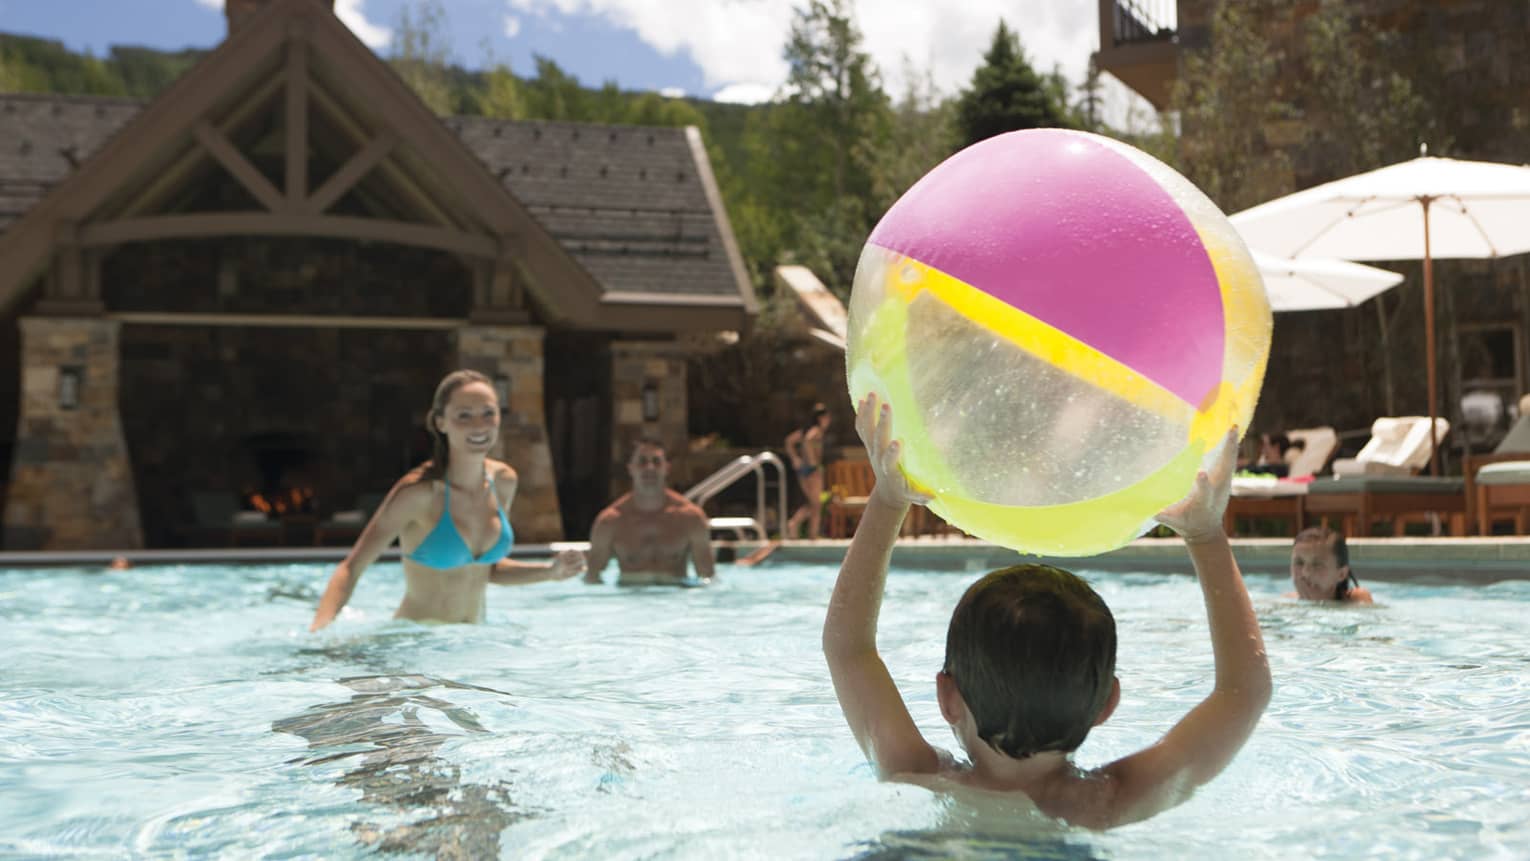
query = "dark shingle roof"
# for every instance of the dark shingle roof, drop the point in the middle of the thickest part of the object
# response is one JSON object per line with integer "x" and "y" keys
{"x": 43, "y": 138}
{"x": 628, "y": 202}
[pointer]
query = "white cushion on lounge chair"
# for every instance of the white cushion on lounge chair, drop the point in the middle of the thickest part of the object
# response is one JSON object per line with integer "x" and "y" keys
{"x": 1317, "y": 447}
{"x": 1398, "y": 446}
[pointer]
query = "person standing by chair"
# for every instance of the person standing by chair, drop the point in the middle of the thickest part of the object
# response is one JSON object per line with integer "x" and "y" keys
{"x": 804, "y": 448}
{"x": 450, "y": 514}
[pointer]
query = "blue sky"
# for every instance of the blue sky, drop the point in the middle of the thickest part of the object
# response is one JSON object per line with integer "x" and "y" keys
{"x": 728, "y": 49}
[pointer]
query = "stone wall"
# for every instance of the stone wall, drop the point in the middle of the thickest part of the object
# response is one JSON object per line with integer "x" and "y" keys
{"x": 217, "y": 409}
{"x": 512, "y": 357}
{"x": 71, "y": 484}
{"x": 257, "y": 275}
{"x": 653, "y": 374}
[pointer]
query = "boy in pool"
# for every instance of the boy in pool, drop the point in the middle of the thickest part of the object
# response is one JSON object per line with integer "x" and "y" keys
{"x": 1030, "y": 665}
{"x": 1320, "y": 568}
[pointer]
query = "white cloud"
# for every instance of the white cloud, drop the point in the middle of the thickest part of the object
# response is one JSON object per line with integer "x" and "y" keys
{"x": 744, "y": 94}
{"x": 512, "y": 26}
{"x": 672, "y": 92}
{"x": 737, "y": 43}
{"x": 350, "y": 13}
{"x": 211, "y": 4}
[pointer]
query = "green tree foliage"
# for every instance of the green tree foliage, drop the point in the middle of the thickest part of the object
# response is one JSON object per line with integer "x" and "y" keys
{"x": 811, "y": 164}
{"x": 144, "y": 72}
{"x": 500, "y": 96}
{"x": 921, "y": 135}
{"x": 1372, "y": 113}
{"x": 45, "y": 66}
{"x": 10, "y": 77}
{"x": 1227, "y": 102}
{"x": 421, "y": 53}
{"x": 1007, "y": 94}
{"x": 1090, "y": 107}
{"x": 555, "y": 95}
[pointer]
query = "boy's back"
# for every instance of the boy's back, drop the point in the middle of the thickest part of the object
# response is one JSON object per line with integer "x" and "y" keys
{"x": 1030, "y": 666}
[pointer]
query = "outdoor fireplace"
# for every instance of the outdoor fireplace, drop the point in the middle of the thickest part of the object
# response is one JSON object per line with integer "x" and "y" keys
{"x": 284, "y": 484}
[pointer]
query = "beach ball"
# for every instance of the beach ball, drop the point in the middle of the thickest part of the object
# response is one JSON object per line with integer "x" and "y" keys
{"x": 1065, "y": 328}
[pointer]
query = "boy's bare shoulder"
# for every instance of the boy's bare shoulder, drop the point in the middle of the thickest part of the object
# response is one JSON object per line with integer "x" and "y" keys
{"x": 1081, "y": 798}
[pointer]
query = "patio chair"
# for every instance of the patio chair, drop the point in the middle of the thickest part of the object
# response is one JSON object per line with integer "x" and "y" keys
{"x": 850, "y": 482}
{"x": 219, "y": 520}
{"x": 347, "y": 524}
{"x": 1281, "y": 499}
{"x": 1498, "y": 484}
{"x": 1380, "y": 483}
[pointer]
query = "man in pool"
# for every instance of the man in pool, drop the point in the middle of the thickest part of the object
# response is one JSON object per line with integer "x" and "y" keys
{"x": 652, "y": 529}
{"x": 1030, "y": 665}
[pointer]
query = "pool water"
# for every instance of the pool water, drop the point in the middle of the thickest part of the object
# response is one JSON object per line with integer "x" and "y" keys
{"x": 184, "y": 711}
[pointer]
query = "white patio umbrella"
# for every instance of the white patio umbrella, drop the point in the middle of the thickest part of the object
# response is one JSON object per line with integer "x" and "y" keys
{"x": 1316, "y": 284}
{"x": 1419, "y": 209}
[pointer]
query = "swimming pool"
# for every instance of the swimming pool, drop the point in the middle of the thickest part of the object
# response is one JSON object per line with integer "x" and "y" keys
{"x": 184, "y": 711}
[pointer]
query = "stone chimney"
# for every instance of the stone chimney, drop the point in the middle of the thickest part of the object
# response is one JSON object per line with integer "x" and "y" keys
{"x": 239, "y": 12}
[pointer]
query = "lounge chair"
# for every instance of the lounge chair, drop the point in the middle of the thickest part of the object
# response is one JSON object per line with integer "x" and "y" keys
{"x": 1380, "y": 483}
{"x": 1281, "y": 499}
{"x": 1498, "y": 484}
{"x": 1398, "y": 446}
{"x": 219, "y": 522}
{"x": 347, "y": 524}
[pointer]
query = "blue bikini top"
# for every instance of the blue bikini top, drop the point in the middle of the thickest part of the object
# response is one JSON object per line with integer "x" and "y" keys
{"x": 444, "y": 547}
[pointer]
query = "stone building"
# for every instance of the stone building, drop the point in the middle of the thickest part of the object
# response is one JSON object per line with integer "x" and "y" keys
{"x": 1344, "y": 368}
{"x": 249, "y": 287}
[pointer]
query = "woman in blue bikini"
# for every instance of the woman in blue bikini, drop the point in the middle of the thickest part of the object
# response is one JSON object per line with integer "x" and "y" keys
{"x": 449, "y": 516}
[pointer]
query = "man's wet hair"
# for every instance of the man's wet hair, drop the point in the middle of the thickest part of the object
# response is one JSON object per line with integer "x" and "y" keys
{"x": 1032, "y": 649}
{"x": 646, "y": 442}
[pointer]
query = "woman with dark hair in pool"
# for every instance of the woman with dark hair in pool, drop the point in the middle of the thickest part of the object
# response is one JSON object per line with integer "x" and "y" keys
{"x": 1320, "y": 568}
{"x": 804, "y": 447}
{"x": 450, "y": 517}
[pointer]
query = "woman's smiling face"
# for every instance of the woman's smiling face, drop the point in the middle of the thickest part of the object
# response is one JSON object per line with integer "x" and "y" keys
{"x": 470, "y": 421}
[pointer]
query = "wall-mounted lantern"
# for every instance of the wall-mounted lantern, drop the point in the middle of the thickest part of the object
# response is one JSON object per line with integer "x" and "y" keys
{"x": 650, "y": 401}
{"x": 71, "y": 379}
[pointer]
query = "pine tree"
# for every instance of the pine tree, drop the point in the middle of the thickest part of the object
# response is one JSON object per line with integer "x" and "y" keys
{"x": 1007, "y": 94}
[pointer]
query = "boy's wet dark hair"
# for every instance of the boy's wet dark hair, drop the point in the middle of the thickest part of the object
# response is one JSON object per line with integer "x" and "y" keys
{"x": 1032, "y": 649}
{"x": 1335, "y": 542}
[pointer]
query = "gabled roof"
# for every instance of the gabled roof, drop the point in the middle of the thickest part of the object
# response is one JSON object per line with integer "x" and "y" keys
{"x": 636, "y": 205}
{"x": 669, "y": 265}
{"x": 45, "y": 138}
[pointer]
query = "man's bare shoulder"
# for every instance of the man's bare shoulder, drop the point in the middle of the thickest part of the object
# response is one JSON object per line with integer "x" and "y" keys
{"x": 620, "y": 506}
{"x": 681, "y": 507}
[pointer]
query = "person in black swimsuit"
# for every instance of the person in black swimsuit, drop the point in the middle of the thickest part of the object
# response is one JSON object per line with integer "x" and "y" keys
{"x": 804, "y": 447}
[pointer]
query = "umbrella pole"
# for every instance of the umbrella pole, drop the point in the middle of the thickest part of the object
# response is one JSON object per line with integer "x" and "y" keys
{"x": 1434, "y": 442}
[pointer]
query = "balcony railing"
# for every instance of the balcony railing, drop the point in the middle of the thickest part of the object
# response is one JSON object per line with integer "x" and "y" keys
{"x": 1139, "y": 44}
{"x": 1144, "y": 20}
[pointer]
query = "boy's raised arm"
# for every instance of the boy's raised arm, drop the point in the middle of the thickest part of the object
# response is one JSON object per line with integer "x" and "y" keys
{"x": 870, "y": 700}
{"x": 1206, "y": 739}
